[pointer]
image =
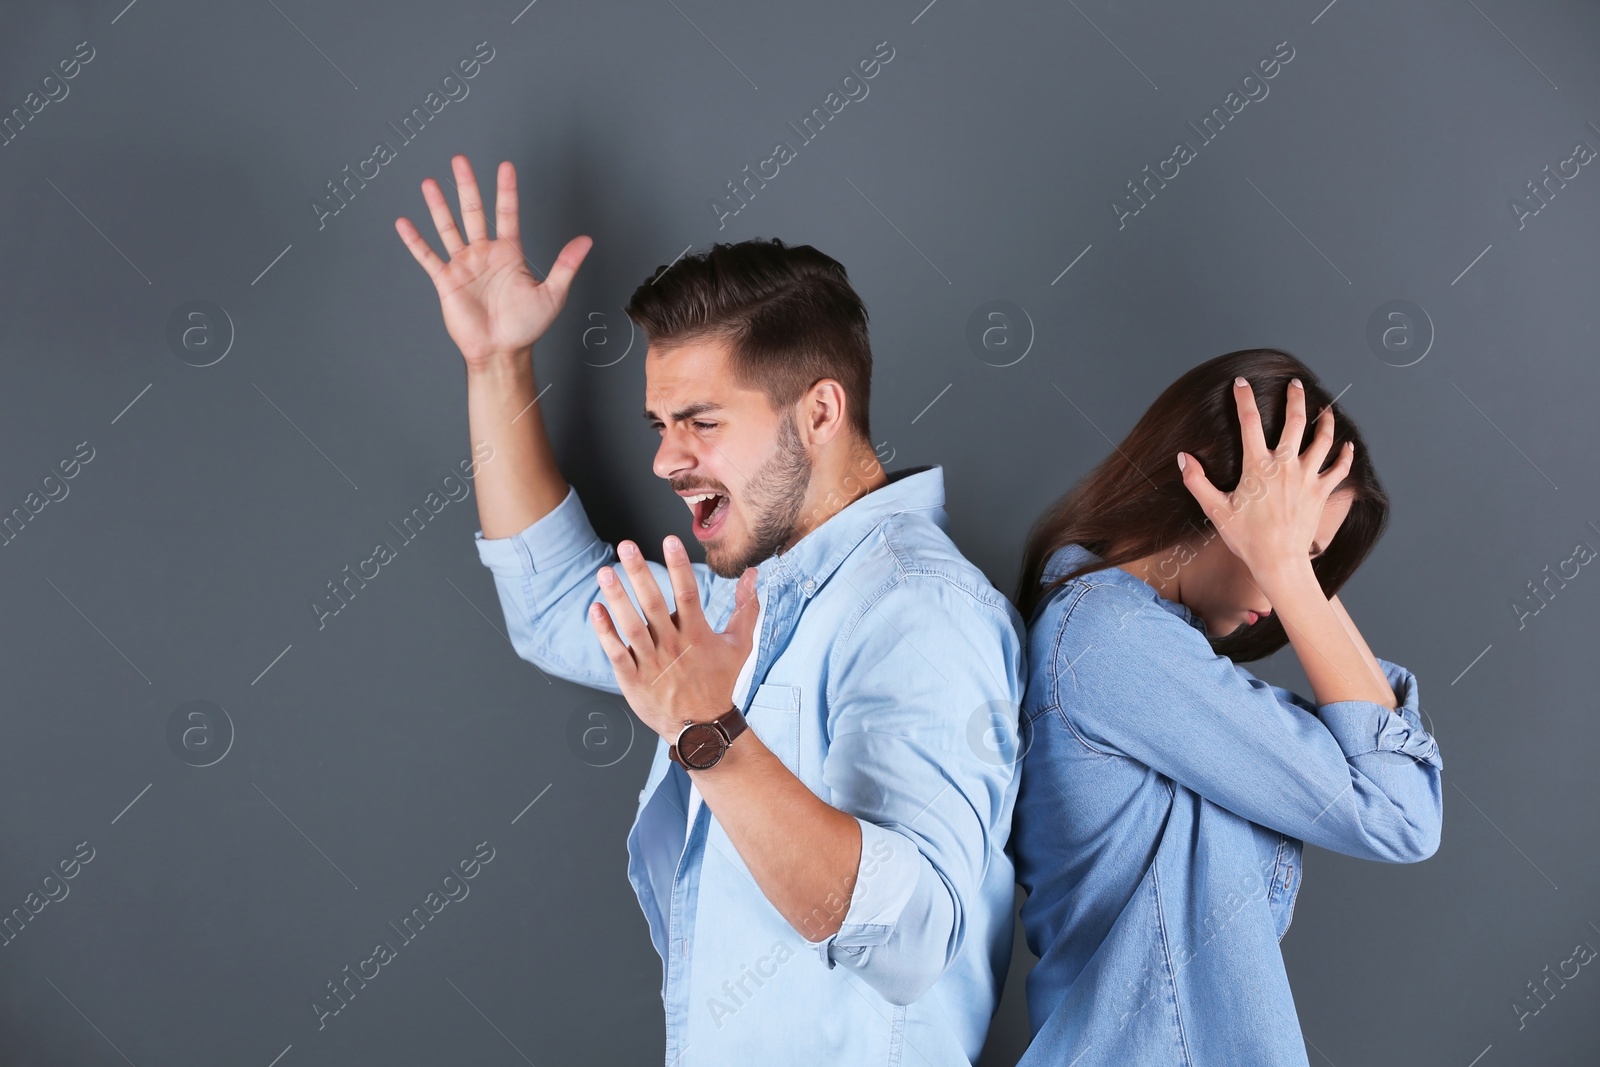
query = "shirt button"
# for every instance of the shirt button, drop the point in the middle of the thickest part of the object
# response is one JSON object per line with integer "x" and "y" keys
{"x": 809, "y": 586}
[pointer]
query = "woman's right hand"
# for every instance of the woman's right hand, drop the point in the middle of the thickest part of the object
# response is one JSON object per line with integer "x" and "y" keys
{"x": 492, "y": 303}
{"x": 1270, "y": 519}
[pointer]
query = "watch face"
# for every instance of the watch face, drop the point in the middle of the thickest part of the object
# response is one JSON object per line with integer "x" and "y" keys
{"x": 701, "y": 745}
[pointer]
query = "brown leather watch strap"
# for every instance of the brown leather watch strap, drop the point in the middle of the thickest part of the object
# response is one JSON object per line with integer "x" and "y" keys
{"x": 725, "y": 728}
{"x": 733, "y": 723}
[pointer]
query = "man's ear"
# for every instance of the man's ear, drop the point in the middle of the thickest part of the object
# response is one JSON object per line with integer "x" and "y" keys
{"x": 823, "y": 410}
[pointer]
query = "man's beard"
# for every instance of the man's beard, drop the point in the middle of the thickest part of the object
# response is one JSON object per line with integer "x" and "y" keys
{"x": 774, "y": 496}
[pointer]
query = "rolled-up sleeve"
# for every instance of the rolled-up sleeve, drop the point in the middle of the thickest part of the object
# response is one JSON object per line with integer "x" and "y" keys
{"x": 545, "y": 578}
{"x": 1352, "y": 776}
{"x": 1395, "y": 769}
{"x": 923, "y": 720}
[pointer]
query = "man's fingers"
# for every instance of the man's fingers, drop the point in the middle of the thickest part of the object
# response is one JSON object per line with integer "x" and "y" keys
{"x": 443, "y": 221}
{"x": 626, "y": 620}
{"x": 685, "y": 590}
{"x": 619, "y": 654}
{"x": 471, "y": 200}
{"x": 506, "y": 226}
{"x": 645, "y": 587}
{"x": 566, "y": 265}
{"x": 420, "y": 249}
{"x": 746, "y": 607}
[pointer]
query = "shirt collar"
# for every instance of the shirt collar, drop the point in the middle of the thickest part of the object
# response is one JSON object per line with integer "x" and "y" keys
{"x": 813, "y": 558}
{"x": 1071, "y": 556}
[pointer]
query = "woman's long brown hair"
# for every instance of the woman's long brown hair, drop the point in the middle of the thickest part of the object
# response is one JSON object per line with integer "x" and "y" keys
{"x": 1135, "y": 503}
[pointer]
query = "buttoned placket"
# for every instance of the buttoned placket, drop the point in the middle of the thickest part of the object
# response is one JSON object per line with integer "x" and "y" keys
{"x": 780, "y": 614}
{"x": 680, "y": 933}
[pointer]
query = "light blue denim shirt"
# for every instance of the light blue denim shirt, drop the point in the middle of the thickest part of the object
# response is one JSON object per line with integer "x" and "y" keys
{"x": 886, "y": 667}
{"x": 1165, "y": 794}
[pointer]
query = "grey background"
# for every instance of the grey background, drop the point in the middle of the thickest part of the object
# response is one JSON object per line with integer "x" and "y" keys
{"x": 370, "y": 755}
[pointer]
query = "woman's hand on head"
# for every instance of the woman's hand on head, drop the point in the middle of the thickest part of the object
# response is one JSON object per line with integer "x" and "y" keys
{"x": 1270, "y": 518}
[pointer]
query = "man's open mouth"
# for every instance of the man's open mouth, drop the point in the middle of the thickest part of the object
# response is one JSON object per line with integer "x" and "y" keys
{"x": 708, "y": 509}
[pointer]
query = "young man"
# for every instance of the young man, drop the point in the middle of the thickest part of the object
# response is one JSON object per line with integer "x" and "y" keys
{"x": 819, "y": 847}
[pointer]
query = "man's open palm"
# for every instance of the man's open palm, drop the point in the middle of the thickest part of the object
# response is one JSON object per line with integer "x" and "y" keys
{"x": 491, "y": 301}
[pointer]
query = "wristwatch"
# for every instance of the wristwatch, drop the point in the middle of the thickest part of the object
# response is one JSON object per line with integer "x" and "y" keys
{"x": 700, "y": 745}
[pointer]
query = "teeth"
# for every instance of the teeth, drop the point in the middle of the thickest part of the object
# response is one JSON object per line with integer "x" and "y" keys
{"x": 694, "y": 501}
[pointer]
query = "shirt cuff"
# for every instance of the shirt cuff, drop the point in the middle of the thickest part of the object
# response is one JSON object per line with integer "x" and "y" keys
{"x": 1362, "y": 726}
{"x": 552, "y": 539}
{"x": 886, "y": 876}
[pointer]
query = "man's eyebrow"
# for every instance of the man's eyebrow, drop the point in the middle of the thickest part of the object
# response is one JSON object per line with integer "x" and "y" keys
{"x": 689, "y": 412}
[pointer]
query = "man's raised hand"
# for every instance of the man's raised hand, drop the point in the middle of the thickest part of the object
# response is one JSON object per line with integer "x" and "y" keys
{"x": 492, "y": 303}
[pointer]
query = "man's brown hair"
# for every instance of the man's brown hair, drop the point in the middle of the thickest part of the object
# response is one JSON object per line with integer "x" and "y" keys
{"x": 788, "y": 315}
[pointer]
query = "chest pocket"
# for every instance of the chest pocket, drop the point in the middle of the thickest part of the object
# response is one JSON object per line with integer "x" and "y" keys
{"x": 774, "y": 715}
{"x": 1285, "y": 882}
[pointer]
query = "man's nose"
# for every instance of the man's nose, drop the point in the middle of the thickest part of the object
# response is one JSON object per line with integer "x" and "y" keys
{"x": 672, "y": 457}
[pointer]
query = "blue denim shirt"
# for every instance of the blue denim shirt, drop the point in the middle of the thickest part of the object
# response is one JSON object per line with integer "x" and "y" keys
{"x": 1165, "y": 794}
{"x": 886, "y": 664}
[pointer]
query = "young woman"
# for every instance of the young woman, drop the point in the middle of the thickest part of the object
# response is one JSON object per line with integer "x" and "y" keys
{"x": 1165, "y": 790}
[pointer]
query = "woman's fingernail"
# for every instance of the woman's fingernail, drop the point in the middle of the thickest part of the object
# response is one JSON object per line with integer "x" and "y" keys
{"x": 1182, "y": 459}
{"x": 1240, "y": 381}
{"x": 1296, "y": 383}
